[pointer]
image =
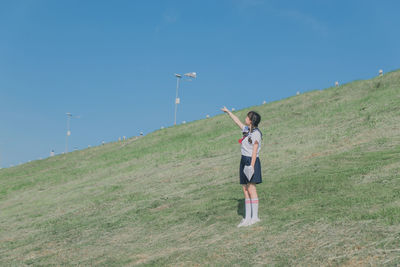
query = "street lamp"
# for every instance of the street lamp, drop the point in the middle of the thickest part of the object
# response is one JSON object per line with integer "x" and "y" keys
{"x": 177, "y": 99}
{"x": 69, "y": 116}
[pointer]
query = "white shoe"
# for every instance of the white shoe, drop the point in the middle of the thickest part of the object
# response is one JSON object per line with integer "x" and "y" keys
{"x": 244, "y": 222}
{"x": 253, "y": 221}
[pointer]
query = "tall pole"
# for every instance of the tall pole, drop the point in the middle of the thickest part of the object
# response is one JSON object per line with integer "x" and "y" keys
{"x": 68, "y": 132}
{"x": 176, "y": 98}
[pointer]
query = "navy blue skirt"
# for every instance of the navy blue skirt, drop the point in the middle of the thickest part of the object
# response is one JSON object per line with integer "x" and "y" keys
{"x": 256, "y": 179}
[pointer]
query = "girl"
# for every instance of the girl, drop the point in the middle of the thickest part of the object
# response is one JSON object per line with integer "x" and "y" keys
{"x": 250, "y": 147}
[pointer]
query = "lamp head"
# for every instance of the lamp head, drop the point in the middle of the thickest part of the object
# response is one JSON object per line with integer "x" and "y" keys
{"x": 191, "y": 75}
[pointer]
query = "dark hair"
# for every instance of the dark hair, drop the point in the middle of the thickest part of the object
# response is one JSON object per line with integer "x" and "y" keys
{"x": 255, "y": 118}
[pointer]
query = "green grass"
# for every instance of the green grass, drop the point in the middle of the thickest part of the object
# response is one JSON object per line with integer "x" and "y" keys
{"x": 330, "y": 193}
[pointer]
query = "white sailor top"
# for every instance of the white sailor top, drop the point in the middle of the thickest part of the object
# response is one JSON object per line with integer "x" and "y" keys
{"x": 248, "y": 140}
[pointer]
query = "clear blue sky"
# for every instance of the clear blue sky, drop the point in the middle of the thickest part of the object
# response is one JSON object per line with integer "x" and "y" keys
{"x": 113, "y": 62}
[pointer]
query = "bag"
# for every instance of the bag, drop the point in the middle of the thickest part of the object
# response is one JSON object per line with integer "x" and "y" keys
{"x": 248, "y": 171}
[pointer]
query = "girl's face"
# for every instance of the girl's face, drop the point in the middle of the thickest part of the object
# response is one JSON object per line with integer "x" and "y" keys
{"x": 248, "y": 121}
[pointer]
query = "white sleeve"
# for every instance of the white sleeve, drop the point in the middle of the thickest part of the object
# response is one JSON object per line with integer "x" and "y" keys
{"x": 245, "y": 129}
{"x": 256, "y": 136}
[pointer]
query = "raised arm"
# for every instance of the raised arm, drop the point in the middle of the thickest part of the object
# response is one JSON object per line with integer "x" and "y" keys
{"x": 233, "y": 117}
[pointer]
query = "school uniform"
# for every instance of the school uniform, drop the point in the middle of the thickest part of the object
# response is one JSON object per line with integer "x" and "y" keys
{"x": 247, "y": 143}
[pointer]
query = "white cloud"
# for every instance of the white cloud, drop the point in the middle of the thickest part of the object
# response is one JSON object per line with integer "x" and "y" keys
{"x": 169, "y": 16}
{"x": 308, "y": 20}
{"x": 249, "y": 3}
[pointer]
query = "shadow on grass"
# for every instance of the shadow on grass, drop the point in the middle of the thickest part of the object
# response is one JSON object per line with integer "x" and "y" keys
{"x": 240, "y": 207}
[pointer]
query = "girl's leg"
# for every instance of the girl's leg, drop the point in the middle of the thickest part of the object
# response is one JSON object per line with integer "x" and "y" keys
{"x": 246, "y": 191}
{"x": 252, "y": 191}
{"x": 254, "y": 201}
{"x": 247, "y": 201}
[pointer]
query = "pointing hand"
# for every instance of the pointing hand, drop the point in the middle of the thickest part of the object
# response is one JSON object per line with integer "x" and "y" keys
{"x": 224, "y": 109}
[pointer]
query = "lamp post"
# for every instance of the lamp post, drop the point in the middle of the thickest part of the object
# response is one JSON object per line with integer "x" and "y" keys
{"x": 177, "y": 99}
{"x": 69, "y": 116}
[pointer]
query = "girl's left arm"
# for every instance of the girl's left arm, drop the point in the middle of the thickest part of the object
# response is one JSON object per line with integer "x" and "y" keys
{"x": 254, "y": 155}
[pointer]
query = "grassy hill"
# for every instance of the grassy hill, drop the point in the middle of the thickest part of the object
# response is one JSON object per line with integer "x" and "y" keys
{"x": 330, "y": 193}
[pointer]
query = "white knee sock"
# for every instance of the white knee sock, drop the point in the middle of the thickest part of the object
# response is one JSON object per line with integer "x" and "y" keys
{"x": 254, "y": 208}
{"x": 248, "y": 208}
